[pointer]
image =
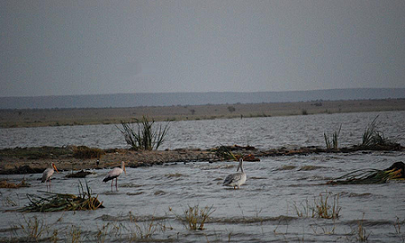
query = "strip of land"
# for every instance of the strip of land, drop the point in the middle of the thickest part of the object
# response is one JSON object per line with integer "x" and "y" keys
{"x": 36, "y": 160}
{"x": 89, "y": 116}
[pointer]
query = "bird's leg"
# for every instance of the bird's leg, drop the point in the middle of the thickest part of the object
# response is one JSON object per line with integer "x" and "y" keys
{"x": 116, "y": 184}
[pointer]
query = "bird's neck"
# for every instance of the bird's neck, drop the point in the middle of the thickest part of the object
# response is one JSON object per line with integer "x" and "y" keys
{"x": 241, "y": 166}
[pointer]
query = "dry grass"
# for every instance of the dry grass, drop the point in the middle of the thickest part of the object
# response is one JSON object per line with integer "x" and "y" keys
{"x": 84, "y": 152}
{"x": 33, "y": 228}
{"x": 6, "y": 184}
{"x": 322, "y": 207}
{"x": 359, "y": 233}
{"x": 195, "y": 217}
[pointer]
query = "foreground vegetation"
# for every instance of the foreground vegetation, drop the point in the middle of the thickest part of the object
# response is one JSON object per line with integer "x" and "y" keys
{"x": 199, "y": 222}
{"x": 63, "y": 202}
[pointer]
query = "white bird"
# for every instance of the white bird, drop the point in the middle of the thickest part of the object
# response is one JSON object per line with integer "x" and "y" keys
{"x": 46, "y": 175}
{"x": 237, "y": 179}
{"x": 114, "y": 173}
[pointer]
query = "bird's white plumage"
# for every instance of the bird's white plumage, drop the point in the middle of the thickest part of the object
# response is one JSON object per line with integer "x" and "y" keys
{"x": 46, "y": 175}
{"x": 114, "y": 174}
{"x": 237, "y": 179}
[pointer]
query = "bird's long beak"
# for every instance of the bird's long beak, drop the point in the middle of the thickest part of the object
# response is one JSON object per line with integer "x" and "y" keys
{"x": 54, "y": 166}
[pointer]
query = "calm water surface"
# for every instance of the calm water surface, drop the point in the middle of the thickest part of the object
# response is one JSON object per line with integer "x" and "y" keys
{"x": 264, "y": 209}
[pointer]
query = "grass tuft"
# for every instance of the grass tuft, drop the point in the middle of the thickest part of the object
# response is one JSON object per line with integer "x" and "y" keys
{"x": 360, "y": 232}
{"x": 33, "y": 228}
{"x": 321, "y": 207}
{"x": 146, "y": 229}
{"x": 195, "y": 217}
{"x": 374, "y": 139}
{"x": 334, "y": 142}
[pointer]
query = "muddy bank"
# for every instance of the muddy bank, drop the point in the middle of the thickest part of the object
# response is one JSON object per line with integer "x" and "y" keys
{"x": 13, "y": 161}
{"x": 36, "y": 160}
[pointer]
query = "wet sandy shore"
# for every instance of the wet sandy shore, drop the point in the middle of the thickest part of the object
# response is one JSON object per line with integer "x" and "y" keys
{"x": 21, "y": 160}
{"x": 25, "y": 164}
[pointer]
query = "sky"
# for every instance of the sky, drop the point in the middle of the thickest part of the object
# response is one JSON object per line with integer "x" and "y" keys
{"x": 76, "y": 47}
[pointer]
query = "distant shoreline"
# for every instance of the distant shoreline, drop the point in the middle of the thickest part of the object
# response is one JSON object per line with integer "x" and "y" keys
{"x": 90, "y": 116}
{"x": 195, "y": 98}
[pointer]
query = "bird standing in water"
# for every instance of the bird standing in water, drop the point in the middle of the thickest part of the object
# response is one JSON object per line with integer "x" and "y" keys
{"x": 46, "y": 175}
{"x": 237, "y": 179}
{"x": 114, "y": 173}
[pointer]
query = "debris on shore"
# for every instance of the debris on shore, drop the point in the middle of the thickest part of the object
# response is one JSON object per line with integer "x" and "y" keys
{"x": 63, "y": 202}
{"x": 372, "y": 176}
{"x": 225, "y": 152}
{"x": 79, "y": 174}
{"x": 6, "y": 184}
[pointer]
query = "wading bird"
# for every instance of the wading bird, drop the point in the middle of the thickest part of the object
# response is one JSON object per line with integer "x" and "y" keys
{"x": 114, "y": 173}
{"x": 237, "y": 179}
{"x": 46, "y": 175}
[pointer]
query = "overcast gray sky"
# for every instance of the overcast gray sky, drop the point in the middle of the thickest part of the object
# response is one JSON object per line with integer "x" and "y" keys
{"x": 51, "y": 47}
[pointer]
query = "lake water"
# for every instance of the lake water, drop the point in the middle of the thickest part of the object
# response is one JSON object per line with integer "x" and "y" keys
{"x": 266, "y": 208}
{"x": 264, "y": 133}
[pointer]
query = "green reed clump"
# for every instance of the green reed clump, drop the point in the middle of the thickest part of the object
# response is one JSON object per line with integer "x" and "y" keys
{"x": 334, "y": 142}
{"x": 373, "y": 138}
{"x": 372, "y": 176}
{"x": 145, "y": 136}
{"x": 63, "y": 202}
{"x": 195, "y": 217}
